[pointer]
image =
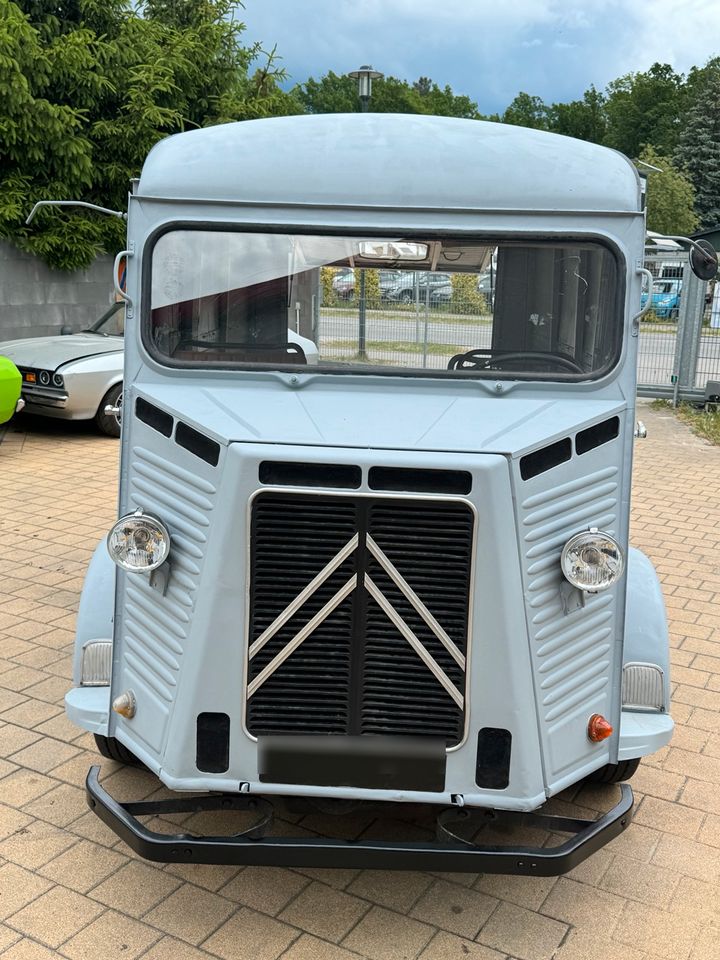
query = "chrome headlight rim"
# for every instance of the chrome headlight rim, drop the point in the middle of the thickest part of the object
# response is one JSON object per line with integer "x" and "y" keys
{"x": 150, "y": 521}
{"x": 590, "y": 535}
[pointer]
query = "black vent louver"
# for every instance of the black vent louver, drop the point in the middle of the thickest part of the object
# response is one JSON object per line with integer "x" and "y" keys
{"x": 197, "y": 443}
{"x": 597, "y": 435}
{"x": 356, "y": 673}
{"x": 154, "y": 417}
{"x": 539, "y": 461}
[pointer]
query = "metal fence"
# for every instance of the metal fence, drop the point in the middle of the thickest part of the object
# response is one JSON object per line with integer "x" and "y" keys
{"x": 679, "y": 338}
{"x": 410, "y": 319}
{"x": 426, "y": 319}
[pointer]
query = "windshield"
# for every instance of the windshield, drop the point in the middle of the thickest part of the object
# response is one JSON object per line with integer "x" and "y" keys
{"x": 543, "y": 310}
{"x": 111, "y": 323}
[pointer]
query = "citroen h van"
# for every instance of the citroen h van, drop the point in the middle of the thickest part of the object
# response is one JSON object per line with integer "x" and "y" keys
{"x": 400, "y": 572}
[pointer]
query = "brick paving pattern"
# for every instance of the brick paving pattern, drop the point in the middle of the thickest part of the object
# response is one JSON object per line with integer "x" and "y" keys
{"x": 69, "y": 888}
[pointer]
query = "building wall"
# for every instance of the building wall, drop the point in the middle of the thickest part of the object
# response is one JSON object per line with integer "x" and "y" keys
{"x": 36, "y": 300}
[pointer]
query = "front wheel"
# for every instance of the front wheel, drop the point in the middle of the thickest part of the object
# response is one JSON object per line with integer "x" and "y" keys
{"x": 109, "y": 423}
{"x": 615, "y": 772}
{"x": 112, "y": 749}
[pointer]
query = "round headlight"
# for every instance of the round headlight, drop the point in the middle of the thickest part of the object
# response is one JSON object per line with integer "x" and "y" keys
{"x": 592, "y": 561}
{"x": 44, "y": 378}
{"x": 58, "y": 380}
{"x": 138, "y": 542}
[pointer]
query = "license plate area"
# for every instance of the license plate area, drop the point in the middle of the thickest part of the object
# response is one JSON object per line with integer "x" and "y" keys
{"x": 374, "y": 763}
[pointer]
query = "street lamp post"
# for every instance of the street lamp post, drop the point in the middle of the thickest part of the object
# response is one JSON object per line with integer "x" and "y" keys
{"x": 364, "y": 76}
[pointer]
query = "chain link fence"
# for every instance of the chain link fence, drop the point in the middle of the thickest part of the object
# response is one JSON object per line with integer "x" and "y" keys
{"x": 409, "y": 318}
{"x": 679, "y": 338}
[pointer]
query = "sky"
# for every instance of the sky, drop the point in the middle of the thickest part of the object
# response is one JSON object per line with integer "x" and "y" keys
{"x": 488, "y": 50}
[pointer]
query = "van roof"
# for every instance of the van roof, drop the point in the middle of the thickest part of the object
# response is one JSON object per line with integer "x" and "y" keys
{"x": 390, "y": 160}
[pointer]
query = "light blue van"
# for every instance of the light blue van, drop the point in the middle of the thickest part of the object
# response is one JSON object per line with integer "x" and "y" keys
{"x": 399, "y": 573}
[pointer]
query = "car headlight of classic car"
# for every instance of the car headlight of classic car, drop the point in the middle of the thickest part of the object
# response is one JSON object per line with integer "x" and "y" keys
{"x": 138, "y": 542}
{"x": 592, "y": 560}
{"x": 44, "y": 378}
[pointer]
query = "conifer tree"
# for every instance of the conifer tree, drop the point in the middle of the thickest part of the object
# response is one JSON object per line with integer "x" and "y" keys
{"x": 698, "y": 150}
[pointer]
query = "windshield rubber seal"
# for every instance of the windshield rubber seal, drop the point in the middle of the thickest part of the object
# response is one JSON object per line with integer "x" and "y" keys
{"x": 437, "y": 374}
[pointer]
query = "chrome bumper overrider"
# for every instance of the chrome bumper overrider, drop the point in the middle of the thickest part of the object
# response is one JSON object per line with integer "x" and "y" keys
{"x": 449, "y": 852}
{"x": 39, "y": 397}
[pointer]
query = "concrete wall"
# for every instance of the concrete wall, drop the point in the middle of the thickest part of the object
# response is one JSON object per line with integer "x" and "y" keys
{"x": 36, "y": 300}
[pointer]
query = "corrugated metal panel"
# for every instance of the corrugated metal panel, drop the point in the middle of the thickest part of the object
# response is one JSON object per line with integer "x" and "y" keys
{"x": 572, "y": 651}
{"x": 156, "y": 626}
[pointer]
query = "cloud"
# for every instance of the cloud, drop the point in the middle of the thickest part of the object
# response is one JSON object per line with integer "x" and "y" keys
{"x": 487, "y": 50}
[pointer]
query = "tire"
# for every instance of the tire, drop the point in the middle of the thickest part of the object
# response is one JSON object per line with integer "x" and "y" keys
{"x": 112, "y": 749}
{"x": 615, "y": 772}
{"x": 107, "y": 423}
{"x": 406, "y": 296}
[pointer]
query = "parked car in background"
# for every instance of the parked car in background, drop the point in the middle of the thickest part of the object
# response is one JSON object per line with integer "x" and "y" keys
{"x": 665, "y": 298}
{"x": 75, "y": 377}
{"x": 80, "y": 376}
{"x": 10, "y": 384}
{"x": 486, "y": 286}
{"x": 441, "y": 295}
{"x": 344, "y": 283}
{"x": 389, "y": 279}
{"x": 414, "y": 283}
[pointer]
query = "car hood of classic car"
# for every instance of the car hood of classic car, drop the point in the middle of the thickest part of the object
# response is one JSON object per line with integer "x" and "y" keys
{"x": 49, "y": 353}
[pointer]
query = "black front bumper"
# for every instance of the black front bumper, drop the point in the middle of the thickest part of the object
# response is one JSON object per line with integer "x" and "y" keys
{"x": 449, "y": 853}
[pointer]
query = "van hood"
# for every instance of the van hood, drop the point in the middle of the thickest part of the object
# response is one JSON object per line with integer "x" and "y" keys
{"x": 388, "y": 417}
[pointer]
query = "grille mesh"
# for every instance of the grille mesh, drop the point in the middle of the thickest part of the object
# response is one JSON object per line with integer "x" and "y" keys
{"x": 356, "y": 674}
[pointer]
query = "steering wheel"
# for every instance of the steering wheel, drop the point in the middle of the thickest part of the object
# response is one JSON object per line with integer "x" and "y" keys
{"x": 485, "y": 360}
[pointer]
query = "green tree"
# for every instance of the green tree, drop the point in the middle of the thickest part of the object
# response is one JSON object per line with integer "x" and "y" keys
{"x": 334, "y": 93}
{"x": 527, "y": 111}
{"x": 584, "y": 119}
{"x": 87, "y": 88}
{"x": 698, "y": 152}
{"x": 443, "y": 102}
{"x": 645, "y": 108}
{"x": 670, "y": 196}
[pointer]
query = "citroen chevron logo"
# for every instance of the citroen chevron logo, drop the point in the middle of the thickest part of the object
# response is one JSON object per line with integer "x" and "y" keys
{"x": 382, "y": 601}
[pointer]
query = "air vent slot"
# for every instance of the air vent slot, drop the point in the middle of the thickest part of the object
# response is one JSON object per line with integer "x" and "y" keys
{"x": 597, "y": 435}
{"x": 410, "y": 480}
{"x": 538, "y": 462}
{"x": 493, "y": 758}
{"x": 197, "y": 443}
{"x": 213, "y": 742}
{"x": 154, "y": 417}
{"x": 285, "y": 474}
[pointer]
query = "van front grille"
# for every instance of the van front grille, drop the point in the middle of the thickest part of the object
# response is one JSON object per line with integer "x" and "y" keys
{"x": 358, "y": 615}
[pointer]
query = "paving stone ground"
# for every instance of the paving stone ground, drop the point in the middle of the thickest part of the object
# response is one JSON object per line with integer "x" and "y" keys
{"x": 69, "y": 888}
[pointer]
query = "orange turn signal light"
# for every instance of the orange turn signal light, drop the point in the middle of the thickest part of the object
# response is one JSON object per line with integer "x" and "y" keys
{"x": 598, "y": 728}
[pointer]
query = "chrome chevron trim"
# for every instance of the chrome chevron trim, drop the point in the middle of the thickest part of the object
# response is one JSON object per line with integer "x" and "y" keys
{"x": 419, "y": 649}
{"x": 400, "y": 581}
{"x": 303, "y": 634}
{"x": 304, "y": 595}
